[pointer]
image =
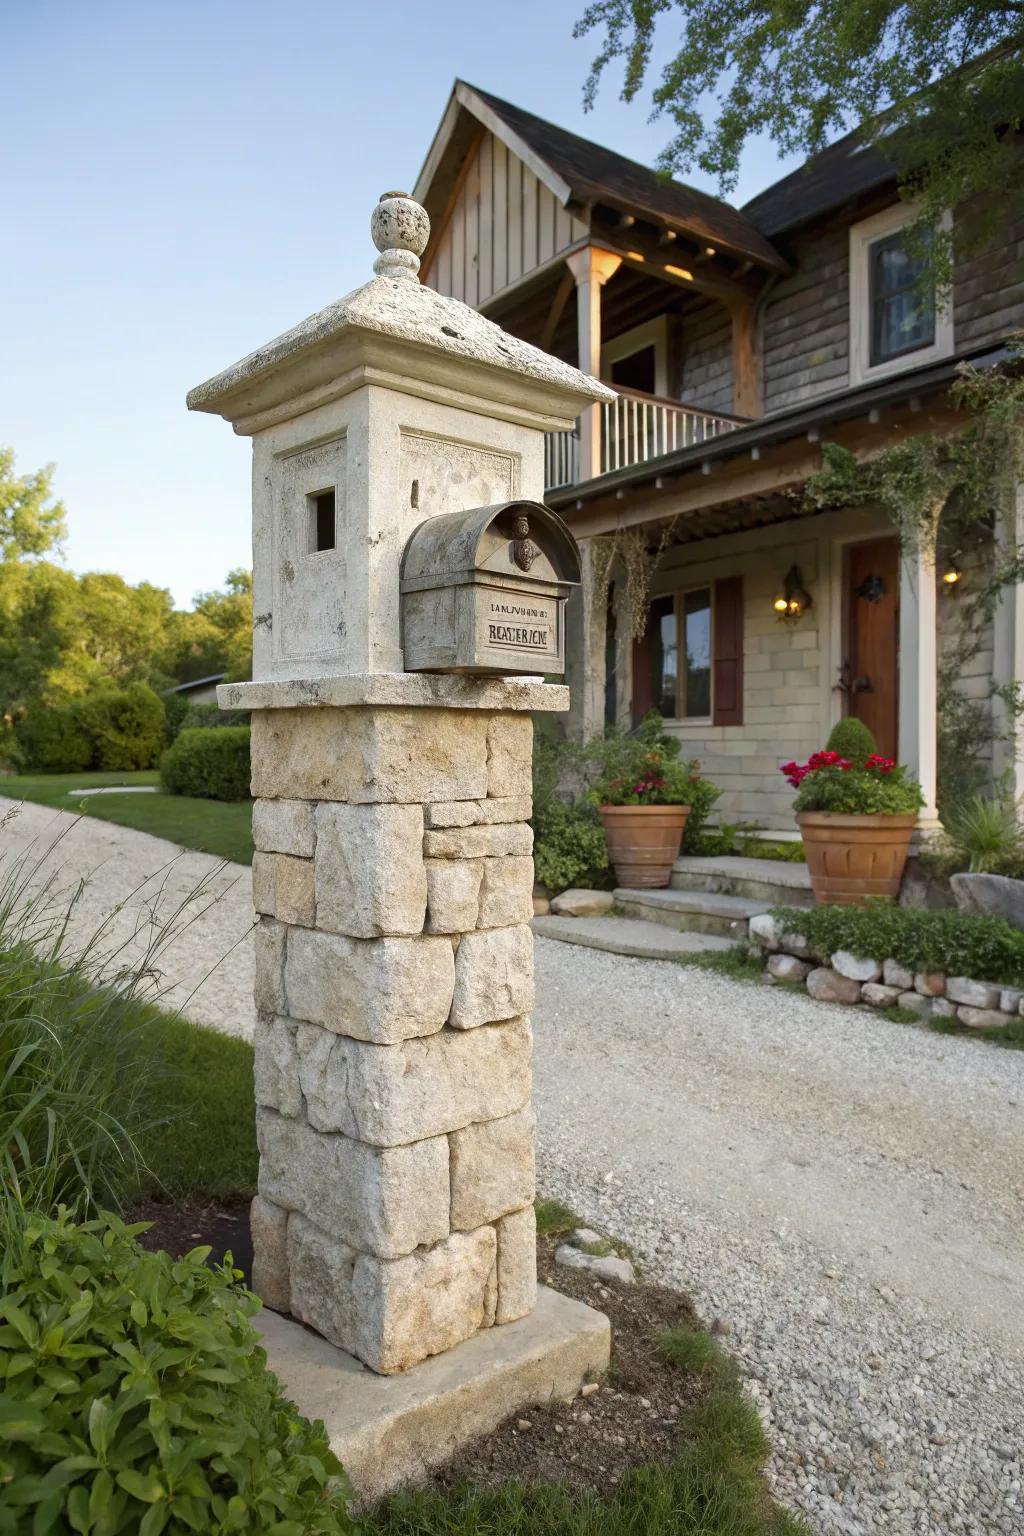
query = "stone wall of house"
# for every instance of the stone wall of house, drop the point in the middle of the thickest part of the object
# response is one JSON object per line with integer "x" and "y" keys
{"x": 975, "y": 678}
{"x": 806, "y": 322}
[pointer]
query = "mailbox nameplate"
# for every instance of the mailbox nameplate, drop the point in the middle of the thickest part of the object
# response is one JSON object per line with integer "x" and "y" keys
{"x": 508, "y": 621}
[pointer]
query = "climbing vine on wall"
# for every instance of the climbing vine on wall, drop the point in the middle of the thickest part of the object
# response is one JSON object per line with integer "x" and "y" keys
{"x": 955, "y": 490}
{"x": 629, "y": 550}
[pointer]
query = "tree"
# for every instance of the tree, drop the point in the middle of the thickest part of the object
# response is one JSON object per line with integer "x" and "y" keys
{"x": 216, "y": 636}
{"x": 30, "y": 524}
{"x": 938, "y": 85}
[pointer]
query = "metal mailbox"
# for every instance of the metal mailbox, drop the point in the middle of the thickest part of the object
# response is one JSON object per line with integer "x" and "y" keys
{"x": 484, "y": 591}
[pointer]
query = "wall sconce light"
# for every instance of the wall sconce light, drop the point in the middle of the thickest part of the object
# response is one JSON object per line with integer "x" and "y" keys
{"x": 952, "y": 576}
{"x": 792, "y": 600}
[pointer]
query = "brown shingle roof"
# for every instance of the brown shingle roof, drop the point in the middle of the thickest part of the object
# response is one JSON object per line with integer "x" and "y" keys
{"x": 845, "y": 171}
{"x": 596, "y": 174}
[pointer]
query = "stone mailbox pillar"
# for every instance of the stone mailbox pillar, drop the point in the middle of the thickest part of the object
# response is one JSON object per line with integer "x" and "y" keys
{"x": 393, "y": 874}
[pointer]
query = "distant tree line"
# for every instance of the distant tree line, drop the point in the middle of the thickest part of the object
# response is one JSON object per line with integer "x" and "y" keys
{"x": 63, "y": 636}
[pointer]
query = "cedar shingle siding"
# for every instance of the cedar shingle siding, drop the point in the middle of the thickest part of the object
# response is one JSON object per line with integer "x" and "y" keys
{"x": 707, "y": 358}
{"x": 807, "y": 323}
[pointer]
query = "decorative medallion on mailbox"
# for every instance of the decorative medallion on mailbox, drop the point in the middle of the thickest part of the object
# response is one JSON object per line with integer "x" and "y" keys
{"x": 484, "y": 591}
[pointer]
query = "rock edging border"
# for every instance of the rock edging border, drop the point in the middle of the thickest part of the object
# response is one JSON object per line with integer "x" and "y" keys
{"x": 843, "y": 977}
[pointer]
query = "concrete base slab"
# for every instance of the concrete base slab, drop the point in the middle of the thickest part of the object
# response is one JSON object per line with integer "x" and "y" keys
{"x": 389, "y": 1431}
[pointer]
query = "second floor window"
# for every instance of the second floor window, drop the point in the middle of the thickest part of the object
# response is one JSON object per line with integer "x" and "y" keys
{"x": 902, "y": 318}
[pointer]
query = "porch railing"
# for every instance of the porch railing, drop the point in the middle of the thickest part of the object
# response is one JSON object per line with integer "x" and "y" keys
{"x": 634, "y": 428}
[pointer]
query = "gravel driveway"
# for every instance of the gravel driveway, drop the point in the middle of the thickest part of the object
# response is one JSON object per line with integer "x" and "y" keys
{"x": 844, "y": 1193}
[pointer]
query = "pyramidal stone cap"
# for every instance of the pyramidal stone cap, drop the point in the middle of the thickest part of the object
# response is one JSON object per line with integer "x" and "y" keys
{"x": 394, "y": 325}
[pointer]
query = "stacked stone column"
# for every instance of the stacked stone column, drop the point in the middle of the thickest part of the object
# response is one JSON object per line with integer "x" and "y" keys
{"x": 394, "y": 980}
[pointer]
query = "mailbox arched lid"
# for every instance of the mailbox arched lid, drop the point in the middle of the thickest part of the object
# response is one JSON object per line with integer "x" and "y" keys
{"x": 524, "y": 539}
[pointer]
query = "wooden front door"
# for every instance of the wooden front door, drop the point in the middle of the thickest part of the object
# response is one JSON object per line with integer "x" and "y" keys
{"x": 870, "y": 657}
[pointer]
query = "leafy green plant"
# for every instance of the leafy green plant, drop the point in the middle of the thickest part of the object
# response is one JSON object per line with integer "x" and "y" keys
{"x": 126, "y": 727}
{"x": 985, "y": 948}
{"x": 985, "y": 834}
{"x": 137, "y": 1399}
{"x": 208, "y": 764}
{"x": 569, "y": 848}
{"x": 852, "y": 740}
{"x": 644, "y": 767}
{"x": 54, "y": 740}
{"x": 831, "y": 782}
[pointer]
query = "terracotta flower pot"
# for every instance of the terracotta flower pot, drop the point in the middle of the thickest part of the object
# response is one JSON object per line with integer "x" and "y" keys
{"x": 852, "y": 859}
{"x": 643, "y": 841}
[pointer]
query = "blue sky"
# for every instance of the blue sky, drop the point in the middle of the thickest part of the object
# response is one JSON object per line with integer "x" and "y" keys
{"x": 182, "y": 182}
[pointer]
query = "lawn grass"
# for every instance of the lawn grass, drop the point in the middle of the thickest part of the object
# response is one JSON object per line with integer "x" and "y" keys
{"x": 210, "y": 826}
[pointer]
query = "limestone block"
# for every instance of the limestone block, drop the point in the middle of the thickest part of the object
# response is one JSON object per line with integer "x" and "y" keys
{"x": 268, "y": 1227}
{"x": 493, "y": 1169}
{"x": 386, "y": 1201}
{"x": 453, "y": 894}
{"x": 370, "y": 754}
{"x": 517, "y": 1265}
{"x": 389, "y": 1095}
{"x": 608, "y": 1266}
{"x": 276, "y": 1066}
{"x": 506, "y": 896}
{"x": 855, "y": 967}
{"x": 942, "y": 1008}
{"x": 788, "y": 968}
{"x": 1010, "y": 999}
{"x": 766, "y": 930}
{"x": 510, "y": 755}
{"x": 283, "y": 826}
{"x": 914, "y": 1002}
{"x": 320, "y": 1276}
{"x": 372, "y": 989}
{"x": 878, "y": 995}
{"x": 369, "y": 869}
{"x": 541, "y": 906}
{"x": 930, "y": 983}
{"x": 269, "y": 940}
{"x": 582, "y": 903}
{"x": 474, "y": 813}
{"x": 829, "y": 987}
{"x": 981, "y": 1018}
{"x": 423, "y": 1304}
{"x": 479, "y": 842}
{"x": 282, "y": 887}
{"x": 895, "y": 975}
{"x": 973, "y": 994}
{"x": 990, "y": 896}
{"x": 493, "y": 976}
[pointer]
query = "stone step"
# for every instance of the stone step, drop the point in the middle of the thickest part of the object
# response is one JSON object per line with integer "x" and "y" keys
{"x": 628, "y": 936}
{"x": 704, "y": 912}
{"x": 774, "y": 881}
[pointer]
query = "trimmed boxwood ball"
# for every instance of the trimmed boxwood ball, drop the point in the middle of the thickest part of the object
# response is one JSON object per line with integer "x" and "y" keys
{"x": 212, "y": 765}
{"x": 137, "y": 1399}
{"x": 852, "y": 739}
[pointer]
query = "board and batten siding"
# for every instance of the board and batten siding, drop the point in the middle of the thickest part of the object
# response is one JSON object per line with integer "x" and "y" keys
{"x": 504, "y": 222}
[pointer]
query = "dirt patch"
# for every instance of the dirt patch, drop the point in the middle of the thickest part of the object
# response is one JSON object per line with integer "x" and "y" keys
{"x": 590, "y": 1442}
{"x": 179, "y": 1228}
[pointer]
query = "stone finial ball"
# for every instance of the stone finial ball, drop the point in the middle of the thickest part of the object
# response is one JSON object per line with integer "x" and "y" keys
{"x": 400, "y": 224}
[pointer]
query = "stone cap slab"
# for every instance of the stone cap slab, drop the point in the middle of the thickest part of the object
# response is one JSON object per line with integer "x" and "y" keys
{"x": 398, "y": 689}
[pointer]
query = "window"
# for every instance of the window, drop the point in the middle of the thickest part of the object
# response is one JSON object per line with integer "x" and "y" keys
{"x": 663, "y": 630}
{"x": 322, "y": 522}
{"x": 688, "y": 664}
{"x": 695, "y": 692}
{"x": 892, "y": 325}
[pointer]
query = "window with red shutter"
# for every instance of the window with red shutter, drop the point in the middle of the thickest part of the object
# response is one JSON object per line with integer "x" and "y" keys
{"x": 727, "y": 667}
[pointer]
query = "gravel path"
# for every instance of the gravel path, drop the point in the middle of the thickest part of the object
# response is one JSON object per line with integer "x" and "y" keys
{"x": 190, "y": 913}
{"x": 844, "y": 1192}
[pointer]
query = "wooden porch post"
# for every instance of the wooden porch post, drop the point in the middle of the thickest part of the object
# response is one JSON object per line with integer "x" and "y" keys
{"x": 591, "y": 268}
{"x": 918, "y": 719}
{"x": 746, "y": 360}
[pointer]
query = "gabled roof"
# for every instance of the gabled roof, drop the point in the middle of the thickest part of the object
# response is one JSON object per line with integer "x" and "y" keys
{"x": 847, "y": 169}
{"x": 579, "y": 171}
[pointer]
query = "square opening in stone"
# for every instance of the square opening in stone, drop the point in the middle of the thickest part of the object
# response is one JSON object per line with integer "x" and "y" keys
{"x": 322, "y": 521}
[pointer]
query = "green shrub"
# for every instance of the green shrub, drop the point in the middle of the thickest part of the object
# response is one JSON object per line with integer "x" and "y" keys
{"x": 985, "y": 948}
{"x": 211, "y": 716}
{"x": 852, "y": 740}
{"x": 126, "y": 727}
{"x": 569, "y": 847}
{"x": 175, "y": 710}
{"x": 137, "y": 1398}
{"x": 212, "y": 765}
{"x": 55, "y": 740}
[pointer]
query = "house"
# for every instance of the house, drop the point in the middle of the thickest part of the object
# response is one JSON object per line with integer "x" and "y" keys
{"x": 739, "y": 340}
{"x": 200, "y": 690}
